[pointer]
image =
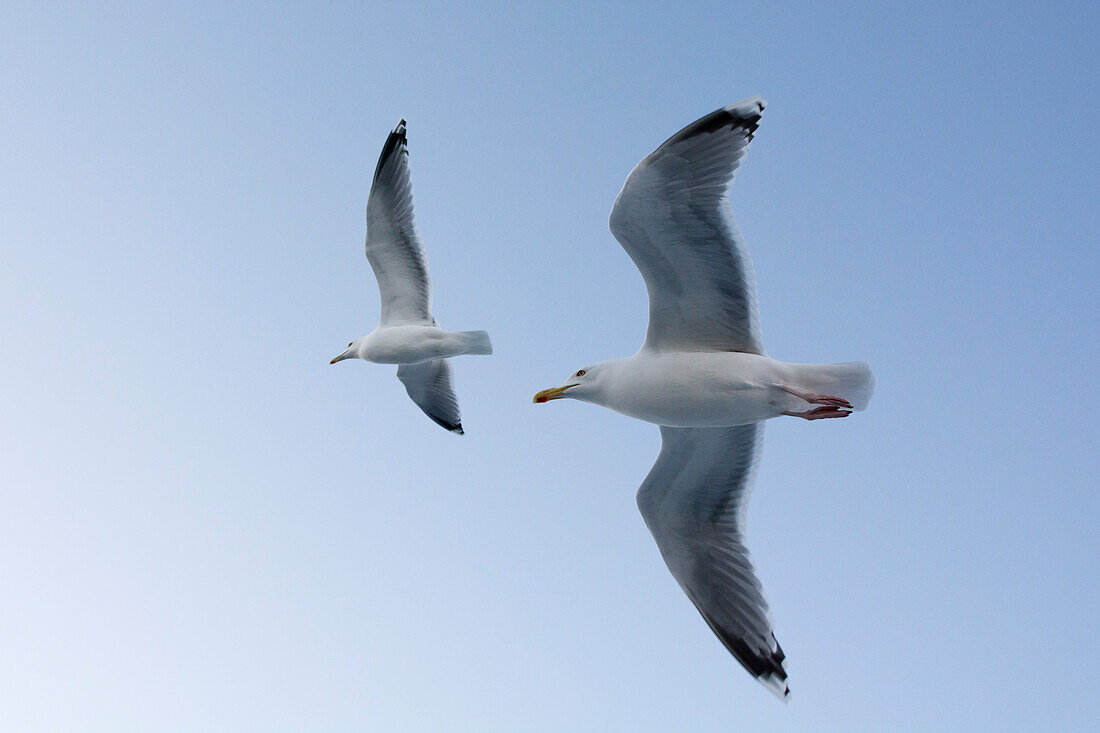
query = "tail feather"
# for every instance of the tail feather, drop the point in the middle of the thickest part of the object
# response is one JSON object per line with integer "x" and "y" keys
{"x": 478, "y": 342}
{"x": 851, "y": 380}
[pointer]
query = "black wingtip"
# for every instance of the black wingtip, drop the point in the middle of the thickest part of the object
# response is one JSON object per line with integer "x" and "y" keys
{"x": 396, "y": 142}
{"x": 766, "y": 668}
{"x": 454, "y": 427}
{"x": 745, "y": 114}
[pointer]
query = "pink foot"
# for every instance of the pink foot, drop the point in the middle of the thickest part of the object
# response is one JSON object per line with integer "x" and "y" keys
{"x": 819, "y": 399}
{"x": 821, "y": 413}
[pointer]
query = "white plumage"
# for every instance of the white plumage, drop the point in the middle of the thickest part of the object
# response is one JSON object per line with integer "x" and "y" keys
{"x": 703, "y": 376}
{"x": 407, "y": 333}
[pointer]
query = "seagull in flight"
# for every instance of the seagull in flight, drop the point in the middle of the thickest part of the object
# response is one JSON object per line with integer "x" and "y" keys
{"x": 703, "y": 377}
{"x": 407, "y": 334}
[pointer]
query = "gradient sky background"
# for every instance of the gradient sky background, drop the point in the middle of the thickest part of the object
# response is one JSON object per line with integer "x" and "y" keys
{"x": 204, "y": 526}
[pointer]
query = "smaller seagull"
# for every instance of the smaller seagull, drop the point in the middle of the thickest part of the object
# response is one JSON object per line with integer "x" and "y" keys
{"x": 407, "y": 334}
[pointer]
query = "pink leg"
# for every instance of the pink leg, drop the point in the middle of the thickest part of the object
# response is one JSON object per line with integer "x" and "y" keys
{"x": 819, "y": 399}
{"x": 820, "y": 413}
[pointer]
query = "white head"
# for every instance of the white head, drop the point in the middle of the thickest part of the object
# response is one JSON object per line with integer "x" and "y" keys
{"x": 584, "y": 384}
{"x": 352, "y": 352}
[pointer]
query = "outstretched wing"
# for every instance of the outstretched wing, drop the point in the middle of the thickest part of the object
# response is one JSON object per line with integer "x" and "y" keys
{"x": 673, "y": 219}
{"x": 393, "y": 245}
{"x": 430, "y": 384}
{"x": 693, "y": 502}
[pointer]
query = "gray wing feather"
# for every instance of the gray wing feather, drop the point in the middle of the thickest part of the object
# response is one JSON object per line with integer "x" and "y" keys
{"x": 430, "y": 384}
{"x": 393, "y": 245}
{"x": 673, "y": 219}
{"x": 693, "y": 502}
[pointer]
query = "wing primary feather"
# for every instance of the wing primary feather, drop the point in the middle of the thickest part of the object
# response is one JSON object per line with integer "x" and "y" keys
{"x": 693, "y": 503}
{"x": 396, "y": 142}
{"x": 745, "y": 114}
{"x": 430, "y": 385}
{"x": 672, "y": 217}
{"x": 393, "y": 245}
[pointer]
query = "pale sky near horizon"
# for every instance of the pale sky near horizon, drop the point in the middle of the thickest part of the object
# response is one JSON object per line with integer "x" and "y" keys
{"x": 204, "y": 526}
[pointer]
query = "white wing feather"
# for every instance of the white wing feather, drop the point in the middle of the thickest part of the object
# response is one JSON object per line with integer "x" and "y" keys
{"x": 693, "y": 502}
{"x": 393, "y": 245}
{"x": 672, "y": 217}
{"x": 430, "y": 384}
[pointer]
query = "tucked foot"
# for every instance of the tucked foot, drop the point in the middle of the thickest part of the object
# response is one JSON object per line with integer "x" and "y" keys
{"x": 819, "y": 399}
{"x": 820, "y": 413}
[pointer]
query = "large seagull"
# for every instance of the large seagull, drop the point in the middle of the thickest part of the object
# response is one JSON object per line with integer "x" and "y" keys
{"x": 407, "y": 334}
{"x": 703, "y": 376}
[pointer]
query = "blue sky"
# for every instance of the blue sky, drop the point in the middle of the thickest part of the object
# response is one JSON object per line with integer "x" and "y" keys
{"x": 204, "y": 526}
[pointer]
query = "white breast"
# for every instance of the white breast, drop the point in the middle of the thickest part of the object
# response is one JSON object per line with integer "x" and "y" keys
{"x": 705, "y": 389}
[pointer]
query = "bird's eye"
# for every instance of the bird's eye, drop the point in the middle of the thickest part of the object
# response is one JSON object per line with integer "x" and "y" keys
{"x": 580, "y": 373}
{"x": 349, "y": 345}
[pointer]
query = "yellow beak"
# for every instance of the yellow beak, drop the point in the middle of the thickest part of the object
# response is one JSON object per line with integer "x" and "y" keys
{"x": 551, "y": 394}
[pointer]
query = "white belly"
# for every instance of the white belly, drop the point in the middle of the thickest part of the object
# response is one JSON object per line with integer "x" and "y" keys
{"x": 411, "y": 344}
{"x": 700, "y": 389}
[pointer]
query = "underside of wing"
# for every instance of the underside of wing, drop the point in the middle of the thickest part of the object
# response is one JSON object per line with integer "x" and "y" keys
{"x": 672, "y": 217}
{"x": 393, "y": 245}
{"x": 430, "y": 384}
{"x": 693, "y": 503}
